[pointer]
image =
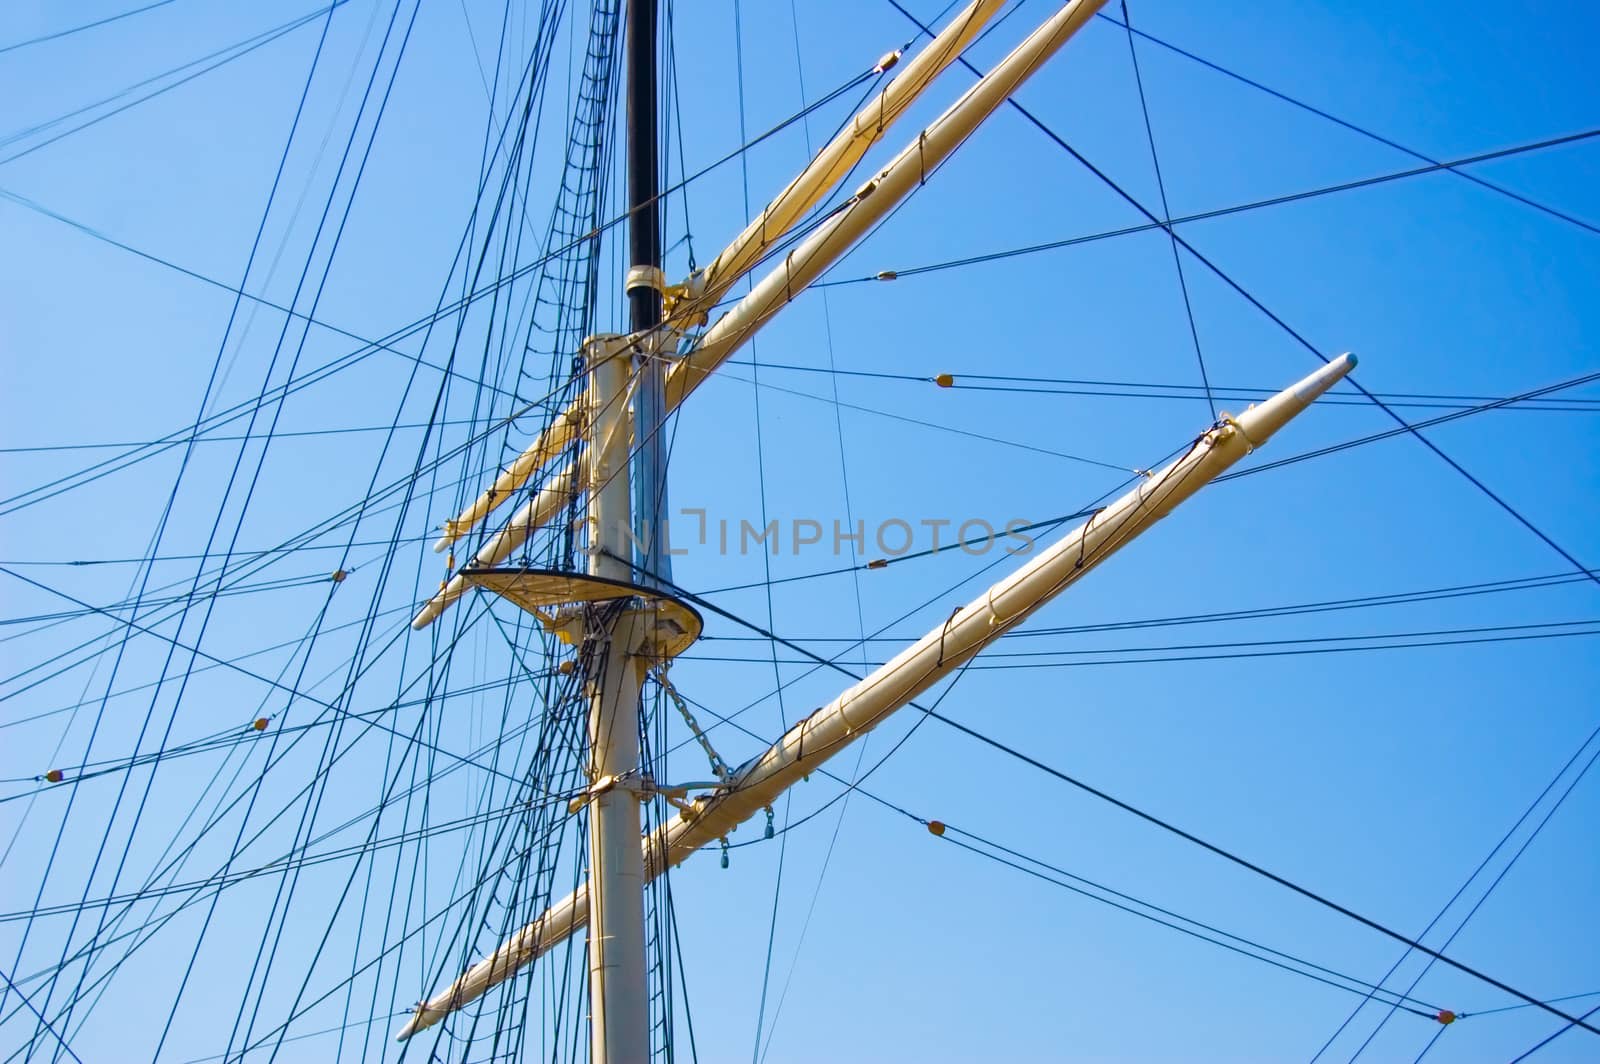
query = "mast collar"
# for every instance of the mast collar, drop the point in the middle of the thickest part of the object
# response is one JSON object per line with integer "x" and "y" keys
{"x": 649, "y": 277}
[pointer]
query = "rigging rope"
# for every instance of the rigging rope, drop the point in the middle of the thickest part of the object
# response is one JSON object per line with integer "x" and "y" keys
{"x": 1157, "y": 821}
{"x": 1283, "y": 325}
{"x": 1166, "y": 214}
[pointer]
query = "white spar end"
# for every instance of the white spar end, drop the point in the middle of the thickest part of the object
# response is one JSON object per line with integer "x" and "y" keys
{"x": 1326, "y": 377}
{"x": 1260, "y": 422}
{"x": 425, "y": 1015}
{"x": 441, "y": 600}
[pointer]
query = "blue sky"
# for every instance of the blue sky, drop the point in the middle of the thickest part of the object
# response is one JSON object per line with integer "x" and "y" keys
{"x": 1379, "y": 778}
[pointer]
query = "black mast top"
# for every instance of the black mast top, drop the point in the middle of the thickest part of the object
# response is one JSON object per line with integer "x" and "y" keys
{"x": 644, "y": 213}
{"x": 644, "y": 284}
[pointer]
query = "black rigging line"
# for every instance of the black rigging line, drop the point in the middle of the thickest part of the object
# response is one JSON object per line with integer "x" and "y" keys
{"x": 596, "y": 80}
{"x": 247, "y": 733}
{"x": 861, "y": 624}
{"x": 288, "y": 434}
{"x": 1436, "y": 1036}
{"x": 384, "y": 952}
{"x": 1493, "y": 404}
{"x": 245, "y": 655}
{"x": 1513, "y": 1008}
{"x": 1551, "y": 812}
{"x": 1577, "y": 1022}
{"x": 302, "y": 541}
{"x": 1335, "y": 399}
{"x": 253, "y": 554}
{"x": 280, "y": 583}
{"x": 573, "y": 280}
{"x": 367, "y": 1021}
{"x": 1150, "y": 390}
{"x": 1002, "y": 666}
{"x": 724, "y": 375}
{"x": 545, "y": 259}
{"x": 1223, "y": 212}
{"x": 766, "y": 560}
{"x": 1258, "y": 870}
{"x": 258, "y": 38}
{"x": 884, "y": 563}
{"x": 1299, "y": 652}
{"x": 304, "y": 857}
{"x": 1151, "y": 818}
{"x": 258, "y": 560}
{"x": 1323, "y": 606}
{"x": 568, "y": 218}
{"x": 103, "y": 980}
{"x": 291, "y": 690}
{"x": 291, "y": 862}
{"x": 58, "y": 34}
{"x": 558, "y": 735}
{"x": 260, "y": 460}
{"x": 349, "y": 882}
{"x": 454, "y": 903}
{"x": 46, "y": 1024}
{"x": 1288, "y": 329}
{"x": 217, "y": 775}
{"x": 237, "y": 50}
{"x": 1496, "y": 404}
{"x": 1351, "y": 126}
{"x": 855, "y": 786}
{"x": 172, "y": 498}
{"x": 1304, "y": 639}
{"x": 1397, "y": 1003}
{"x": 1331, "y": 449}
{"x": 178, "y": 605}
{"x": 310, "y": 810}
{"x": 1532, "y": 583}
{"x": 1166, "y": 213}
{"x": 369, "y": 347}
{"x": 220, "y": 878}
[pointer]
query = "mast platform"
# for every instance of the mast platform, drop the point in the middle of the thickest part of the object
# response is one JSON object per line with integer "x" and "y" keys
{"x": 664, "y": 626}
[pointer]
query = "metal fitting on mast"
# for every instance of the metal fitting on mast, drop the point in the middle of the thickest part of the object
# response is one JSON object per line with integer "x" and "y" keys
{"x": 649, "y": 277}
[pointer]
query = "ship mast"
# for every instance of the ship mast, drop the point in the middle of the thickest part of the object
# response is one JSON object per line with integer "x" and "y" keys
{"x": 622, "y": 613}
{"x": 619, "y": 1021}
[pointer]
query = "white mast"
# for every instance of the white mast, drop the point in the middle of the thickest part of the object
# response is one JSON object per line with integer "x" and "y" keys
{"x": 811, "y": 742}
{"x": 618, "y": 1003}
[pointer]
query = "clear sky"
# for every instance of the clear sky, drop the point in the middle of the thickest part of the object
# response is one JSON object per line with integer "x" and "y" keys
{"x": 1375, "y": 754}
